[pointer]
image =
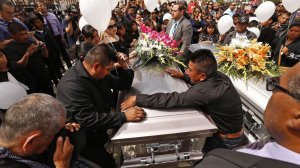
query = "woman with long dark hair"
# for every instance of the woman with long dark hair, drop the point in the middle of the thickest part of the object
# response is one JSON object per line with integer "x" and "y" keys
{"x": 210, "y": 33}
{"x": 197, "y": 24}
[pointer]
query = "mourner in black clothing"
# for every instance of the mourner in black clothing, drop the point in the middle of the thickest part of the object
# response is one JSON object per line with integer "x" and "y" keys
{"x": 53, "y": 60}
{"x": 287, "y": 50}
{"x": 25, "y": 59}
{"x": 212, "y": 91}
{"x": 267, "y": 33}
{"x": 85, "y": 91}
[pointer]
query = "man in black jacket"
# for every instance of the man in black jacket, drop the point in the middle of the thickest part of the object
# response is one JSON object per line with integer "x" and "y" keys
{"x": 212, "y": 91}
{"x": 267, "y": 33}
{"x": 85, "y": 90}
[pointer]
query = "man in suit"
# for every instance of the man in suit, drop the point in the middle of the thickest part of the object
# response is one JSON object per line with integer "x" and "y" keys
{"x": 180, "y": 28}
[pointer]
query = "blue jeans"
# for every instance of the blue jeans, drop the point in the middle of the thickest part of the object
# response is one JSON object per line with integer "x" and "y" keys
{"x": 217, "y": 142}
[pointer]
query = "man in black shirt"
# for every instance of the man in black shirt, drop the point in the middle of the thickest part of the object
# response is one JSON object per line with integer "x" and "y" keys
{"x": 212, "y": 91}
{"x": 25, "y": 59}
{"x": 85, "y": 91}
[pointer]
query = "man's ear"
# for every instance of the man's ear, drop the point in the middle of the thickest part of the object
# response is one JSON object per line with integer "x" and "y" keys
{"x": 294, "y": 123}
{"x": 202, "y": 76}
{"x": 97, "y": 66}
{"x": 30, "y": 141}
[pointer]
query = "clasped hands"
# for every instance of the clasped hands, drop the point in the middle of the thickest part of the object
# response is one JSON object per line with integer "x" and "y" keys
{"x": 123, "y": 61}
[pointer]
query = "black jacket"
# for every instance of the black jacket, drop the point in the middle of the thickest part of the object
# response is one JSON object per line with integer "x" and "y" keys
{"x": 89, "y": 101}
{"x": 215, "y": 96}
{"x": 267, "y": 35}
{"x": 7, "y": 163}
{"x": 293, "y": 48}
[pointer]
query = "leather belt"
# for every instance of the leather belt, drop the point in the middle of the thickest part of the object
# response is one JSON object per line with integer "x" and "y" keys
{"x": 231, "y": 136}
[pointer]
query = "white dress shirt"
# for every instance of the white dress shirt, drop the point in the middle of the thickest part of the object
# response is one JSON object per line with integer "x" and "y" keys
{"x": 275, "y": 151}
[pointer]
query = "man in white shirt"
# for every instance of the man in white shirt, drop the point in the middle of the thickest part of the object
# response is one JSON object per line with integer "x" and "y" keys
{"x": 241, "y": 31}
{"x": 231, "y": 10}
{"x": 282, "y": 119}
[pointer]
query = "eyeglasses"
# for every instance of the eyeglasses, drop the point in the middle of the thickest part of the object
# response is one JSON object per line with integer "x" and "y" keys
{"x": 112, "y": 26}
{"x": 273, "y": 85}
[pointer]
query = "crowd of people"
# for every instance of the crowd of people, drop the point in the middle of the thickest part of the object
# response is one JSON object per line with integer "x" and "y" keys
{"x": 46, "y": 53}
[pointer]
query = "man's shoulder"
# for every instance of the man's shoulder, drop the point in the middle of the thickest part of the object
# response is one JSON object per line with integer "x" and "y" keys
{"x": 227, "y": 159}
{"x": 185, "y": 21}
{"x": 8, "y": 163}
{"x": 232, "y": 33}
{"x": 75, "y": 76}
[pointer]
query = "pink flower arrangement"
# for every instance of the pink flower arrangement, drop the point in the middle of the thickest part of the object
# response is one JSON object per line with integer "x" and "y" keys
{"x": 157, "y": 47}
{"x": 159, "y": 36}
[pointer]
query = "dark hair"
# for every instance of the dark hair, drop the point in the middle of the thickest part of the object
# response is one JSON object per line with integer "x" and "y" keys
{"x": 210, "y": 24}
{"x": 253, "y": 23}
{"x": 35, "y": 17}
{"x": 5, "y": 2}
{"x": 129, "y": 26}
{"x": 181, "y": 6}
{"x": 88, "y": 31}
{"x": 119, "y": 26}
{"x": 37, "y": 3}
{"x": 15, "y": 27}
{"x": 206, "y": 62}
{"x": 297, "y": 24}
{"x": 236, "y": 15}
{"x": 102, "y": 53}
{"x": 274, "y": 18}
{"x": 84, "y": 48}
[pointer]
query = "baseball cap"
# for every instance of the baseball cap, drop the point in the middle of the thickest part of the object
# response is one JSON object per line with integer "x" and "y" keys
{"x": 243, "y": 19}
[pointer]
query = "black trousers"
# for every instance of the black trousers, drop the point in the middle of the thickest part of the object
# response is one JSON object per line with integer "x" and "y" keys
{"x": 95, "y": 151}
{"x": 63, "y": 50}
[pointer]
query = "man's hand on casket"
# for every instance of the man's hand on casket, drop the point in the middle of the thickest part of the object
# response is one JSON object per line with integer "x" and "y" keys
{"x": 174, "y": 73}
{"x": 135, "y": 114}
{"x": 129, "y": 102}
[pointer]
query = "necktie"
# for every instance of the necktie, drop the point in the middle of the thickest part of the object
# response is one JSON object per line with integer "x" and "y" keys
{"x": 173, "y": 29}
{"x": 48, "y": 24}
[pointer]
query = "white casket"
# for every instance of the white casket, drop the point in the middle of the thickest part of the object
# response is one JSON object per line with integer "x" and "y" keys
{"x": 166, "y": 138}
{"x": 254, "y": 98}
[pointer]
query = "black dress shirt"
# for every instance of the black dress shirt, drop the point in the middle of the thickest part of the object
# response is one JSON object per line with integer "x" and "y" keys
{"x": 89, "y": 101}
{"x": 215, "y": 96}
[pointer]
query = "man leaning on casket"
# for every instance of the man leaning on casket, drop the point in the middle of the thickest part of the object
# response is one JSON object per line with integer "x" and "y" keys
{"x": 85, "y": 91}
{"x": 212, "y": 91}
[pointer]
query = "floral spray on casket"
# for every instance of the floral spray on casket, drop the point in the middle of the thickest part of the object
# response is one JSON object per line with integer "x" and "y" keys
{"x": 157, "y": 48}
{"x": 246, "y": 59}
